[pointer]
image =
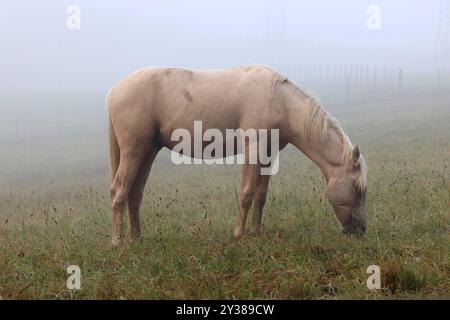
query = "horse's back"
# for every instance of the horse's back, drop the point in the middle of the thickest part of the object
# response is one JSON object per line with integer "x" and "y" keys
{"x": 167, "y": 81}
{"x": 171, "y": 97}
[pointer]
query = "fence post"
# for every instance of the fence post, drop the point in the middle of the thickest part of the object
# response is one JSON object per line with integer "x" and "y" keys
{"x": 17, "y": 128}
{"x": 358, "y": 72}
{"x": 367, "y": 75}
{"x": 400, "y": 80}
{"x": 60, "y": 122}
{"x": 349, "y": 80}
{"x": 439, "y": 78}
{"x": 375, "y": 72}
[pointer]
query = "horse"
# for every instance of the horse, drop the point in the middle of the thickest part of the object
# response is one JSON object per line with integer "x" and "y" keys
{"x": 148, "y": 105}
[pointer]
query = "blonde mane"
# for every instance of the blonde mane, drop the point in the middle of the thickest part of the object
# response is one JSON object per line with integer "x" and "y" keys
{"x": 314, "y": 126}
{"x": 273, "y": 77}
{"x": 277, "y": 79}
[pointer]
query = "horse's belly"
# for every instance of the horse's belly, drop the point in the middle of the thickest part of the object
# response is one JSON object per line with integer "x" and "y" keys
{"x": 208, "y": 143}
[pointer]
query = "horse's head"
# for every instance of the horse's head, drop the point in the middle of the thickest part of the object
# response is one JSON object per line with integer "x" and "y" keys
{"x": 347, "y": 194}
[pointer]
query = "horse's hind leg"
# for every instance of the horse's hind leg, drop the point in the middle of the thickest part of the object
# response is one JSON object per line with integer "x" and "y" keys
{"x": 130, "y": 162}
{"x": 136, "y": 193}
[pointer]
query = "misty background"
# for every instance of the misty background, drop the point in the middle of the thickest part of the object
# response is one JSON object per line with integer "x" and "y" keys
{"x": 54, "y": 79}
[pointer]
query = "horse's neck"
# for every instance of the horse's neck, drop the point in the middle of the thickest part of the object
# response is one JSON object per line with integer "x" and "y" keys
{"x": 326, "y": 155}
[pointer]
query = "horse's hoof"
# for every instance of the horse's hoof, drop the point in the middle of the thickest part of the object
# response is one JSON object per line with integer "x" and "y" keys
{"x": 116, "y": 243}
{"x": 238, "y": 234}
{"x": 135, "y": 240}
{"x": 256, "y": 233}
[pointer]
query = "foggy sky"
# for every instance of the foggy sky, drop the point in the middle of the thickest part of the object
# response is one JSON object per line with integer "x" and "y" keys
{"x": 39, "y": 53}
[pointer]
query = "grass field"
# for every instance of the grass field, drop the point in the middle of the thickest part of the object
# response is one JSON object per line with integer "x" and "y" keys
{"x": 61, "y": 216}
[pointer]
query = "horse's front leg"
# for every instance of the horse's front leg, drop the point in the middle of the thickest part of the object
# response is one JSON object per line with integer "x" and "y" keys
{"x": 259, "y": 202}
{"x": 250, "y": 177}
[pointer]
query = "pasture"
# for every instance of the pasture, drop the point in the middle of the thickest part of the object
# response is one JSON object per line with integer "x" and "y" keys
{"x": 55, "y": 212}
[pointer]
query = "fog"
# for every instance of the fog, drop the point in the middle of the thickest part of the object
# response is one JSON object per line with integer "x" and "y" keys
{"x": 53, "y": 79}
{"x": 39, "y": 52}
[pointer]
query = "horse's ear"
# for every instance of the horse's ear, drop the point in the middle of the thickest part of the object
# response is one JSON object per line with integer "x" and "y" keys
{"x": 355, "y": 154}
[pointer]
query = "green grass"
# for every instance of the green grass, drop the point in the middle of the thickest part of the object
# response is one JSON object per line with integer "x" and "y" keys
{"x": 189, "y": 213}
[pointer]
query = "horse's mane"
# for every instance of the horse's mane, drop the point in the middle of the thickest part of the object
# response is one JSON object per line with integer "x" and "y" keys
{"x": 273, "y": 77}
{"x": 277, "y": 79}
{"x": 314, "y": 126}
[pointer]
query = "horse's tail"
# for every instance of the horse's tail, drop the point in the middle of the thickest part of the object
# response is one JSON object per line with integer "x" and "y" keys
{"x": 114, "y": 151}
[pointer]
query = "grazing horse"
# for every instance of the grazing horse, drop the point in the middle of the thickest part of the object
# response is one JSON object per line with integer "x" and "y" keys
{"x": 149, "y": 104}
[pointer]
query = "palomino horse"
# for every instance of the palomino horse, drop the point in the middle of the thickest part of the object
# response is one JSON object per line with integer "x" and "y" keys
{"x": 148, "y": 105}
